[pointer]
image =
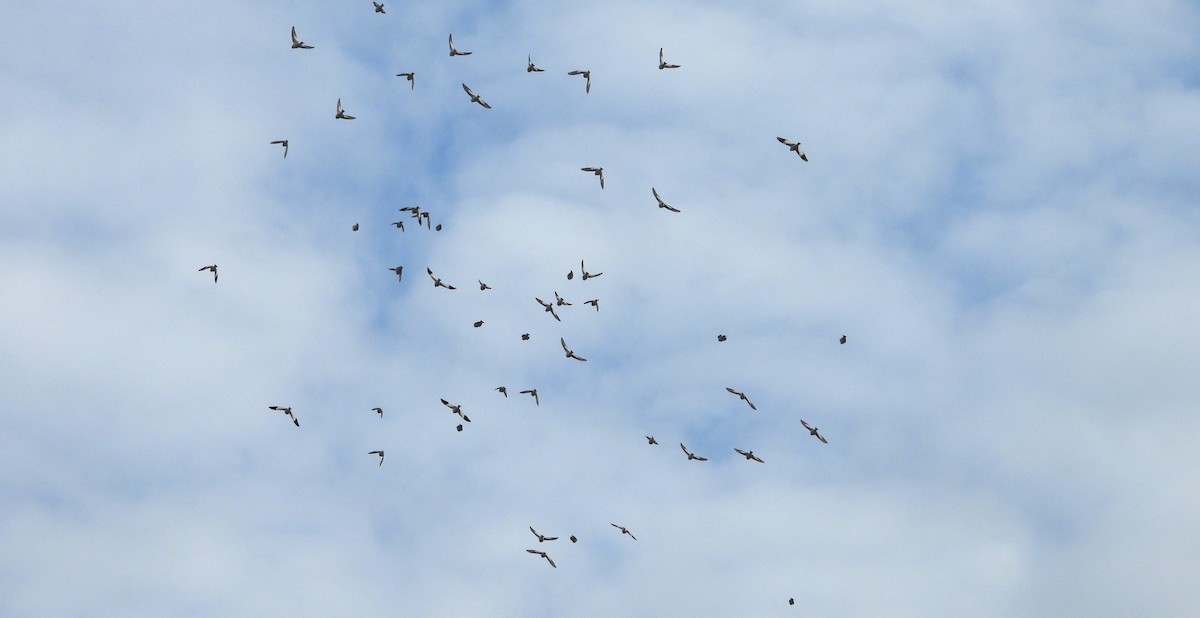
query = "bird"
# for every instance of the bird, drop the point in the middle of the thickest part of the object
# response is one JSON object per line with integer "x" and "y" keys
{"x": 525, "y": 336}
{"x": 455, "y": 52}
{"x": 380, "y": 453}
{"x": 541, "y": 537}
{"x": 651, "y": 440}
{"x": 411, "y": 77}
{"x": 595, "y": 302}
{"x": 437, "y": 283}
{"x": 288, "y": 411}
{"x": 297, "y": 43}
{"x": 813, "y": 431}
{"x": 478, "y": 323}
{"x": 721, "y": 337}
{"x": 599, "y": 171}
{"x": 587, "y": 75}
{"x": 749, "y": 455}
{"x": 378, "y": 411}
{"x": 284, "y": 143}
{"x": 456, "y": 408}
{"x": 587, "y": 275}
{"x": 213, "y": 268}
{"x": 378, "y": 7}
{"x": 570, "y": 354}
{"x": 842, "y": 340}
{"x": 459, "y": 427}
{"x": 399, "y": 270}
{"x": 795, "y": 146}
{"x": 570, "y": 274}
{"x": 533, "y": 393}
{"x": 662, "y": 64}
{"x": 549, "y": 307}
{"x": 341, "y": 113}
{"x": 503, "y": 390}
{"x": 543, "y": 554}
{"x": 475, "y": 98}
{"x": 624, "y": 530}
{"x": 690, "y": 455}
{"x": 531, "y": 68}
{"x": 792, "y": 601}
{"x": 743, "y": 397}
{"x": 662, "y": 204}
{"x": 399, "y": 225}
{"x": 560, "y": 301}
{"x": 483, "y": 286}
{"x": 354, "y": 228}
{"x": 573, "y": 539}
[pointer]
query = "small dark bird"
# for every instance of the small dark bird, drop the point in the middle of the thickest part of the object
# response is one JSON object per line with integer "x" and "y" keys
{"x": 570, "y": 354}
{"x": 749, "y": 455}
{"x": 570, "y": 274}
{"x": 743, "y": 397}
{"x": 455, "y": 52}
{"x": 342, "y": 113}
{"x": 690, "y": 455}
{"x": 378, "y": 7}
{"x": 437, "y": 228}
{"x": 531, "y": 68}
{"x": 721, "y": 337}
{"x": 437, "y": 283}
{"x": 599, "y": 171}
{"x": 842, "y": 340}
{"x": 532, "y": 393}
{"x": 378, "y": 411}
{"x": 380, "y": 453}
{"x": 284, "y": 143}
{"x": 525, "y": 337}
{"x": 399, "y": 270}
{"x": 587, "y": 75}
{"x": 560, "y": 301}
{"x": 624, "y": 530}
{"x": 459, "y": 427}
{"x": 587, "y": 275}
{"x": 573, "y": 539}
{"x": 543, "y": 554}
{"x": 651, "y": 440}
{"x": 595, "y": 302}
{"x": 548, "y": 307}
{"x": 399, "y": 225}
{"x": 475, "y": 98}
{"x": 662, "y": 204}
{"x": 479, "y": 323}
{"x": 213, "y": 268}
{"x": 457, "y": 409}
{"x": 791, "y": 601}
{"x": 411, "y": 77}
{"x": 483, "y": 286}
{"x": 297, "y": 43}
{"x": 503, "y": 390}
{"x": 663, "y": 65}
{"x": 288, "y": 411}
{"x": 542, "y": 538}
{"x": 794, "y": 146}
{"x": 354, "y": 228}
{"x": 813, "y": 431}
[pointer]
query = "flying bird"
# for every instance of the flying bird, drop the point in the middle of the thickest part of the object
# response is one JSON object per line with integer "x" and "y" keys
{"x": 794, "y": 146}
{"x": 570, "y": 354}
{"x": 341, "y": 113}
{"x": 599, "y": 171}
{"x": 662, "y": 64}
{"x": 842, "y": 340}
{"x": 437, "y": 283}
{"x": 570, "y": 274}
{"x": 532, "y": 68}
{"x": 662, "y": 204}
{"x": 595, "y": 302}
{"x": 624, "y": 530}
{"x": 721, "y": 337}
{"x": 573, "y": 539}
{"x": 297, "y": 43}
{"x": 378, "y": 7}
{"x": 525, "y": 336}
{"x": 354, "y": 228}
{"x": 651, "y": 440}
{"x": 587, "y": 75}
{"x": 690, "y": 455}
{"x": 813, "y": 431}
{"x": 399, "y": 225}
{"x": 456, "y": 408}
{"x": 459, "y": 427}
{"x": 742, "y": 396}
{"x": 213, "y": 268}
{"x": 749, "y": 455}
{"x": 587, "y": 275}
{"x": 478, "y": 323}
{"x": 483, "y": 286}
{"x": 455, "y": 52}
{"x": 475, "y": 98}
{"x": 533, "y": 393}
{"x": 560, "y": 301}
{"x": 284, "y": 143}
{"x": 288, "y": 411}
{"x": 411, "y": 77}
{"x": 503, "y": 390}
{"x": 543, "y": 554}
{"x": 541, "y": 537}
{"x": 378, "y": 411}
{"x": 549, "y": 307}
{"x": 399, "y": 270}
{"x": 380, "y": 453}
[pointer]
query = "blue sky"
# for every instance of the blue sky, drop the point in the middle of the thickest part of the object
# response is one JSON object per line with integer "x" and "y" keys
{"x": 999, "y": 212}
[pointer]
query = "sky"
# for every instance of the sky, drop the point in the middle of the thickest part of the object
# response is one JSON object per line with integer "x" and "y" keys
{"x": 999, "y": 212}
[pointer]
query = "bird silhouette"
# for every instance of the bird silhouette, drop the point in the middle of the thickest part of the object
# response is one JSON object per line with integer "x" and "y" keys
{"x": 288, "y": 411}
{"x": 380, "y": 453}
{"x": 341, "y": 114}
{"x": 570, "y": 354}
{"x": 661, "y": 203}
{"x": 794, "y": 146}
{"x": 690, "y": 455}
{"x": 749, "y": 455}
{"x": 297, "y": 43}
{"x": 399, "y": 270}
{"x": 531, "y": 68}
{"x": 455, "y": 52}
{"x": 284, "y": 143}
{"x": 624, "y": 530}
{"x": 548, "y": 307}
{"x": 587, "y": 75}
{"x": 543, "y": 554}
{"x": 475, "y": 98}
{"x": 532, "y": 393}
{"x": 743, "y": 397}
{"x": 541, "y": 537}
{"x": 813, "y": 431}
{"x": 378, "y": 7}
{"x": 411, "y": 77}
{"x": 662, "y": 64}
{"x": 437, "y": 283}
{"x": 213, "y": 268}
{"x": 599, "y": 171}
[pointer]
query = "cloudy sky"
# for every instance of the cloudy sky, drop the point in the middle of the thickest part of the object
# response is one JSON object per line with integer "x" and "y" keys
{"x": 1000, "y": 213}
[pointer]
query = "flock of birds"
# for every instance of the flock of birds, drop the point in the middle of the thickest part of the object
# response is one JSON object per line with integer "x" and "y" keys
{"x": 423, "y": 217}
